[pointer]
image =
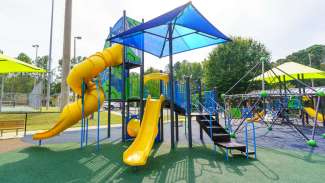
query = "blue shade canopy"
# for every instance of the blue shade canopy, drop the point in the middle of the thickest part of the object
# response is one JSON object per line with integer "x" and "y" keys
{"x": 190, "y": 30}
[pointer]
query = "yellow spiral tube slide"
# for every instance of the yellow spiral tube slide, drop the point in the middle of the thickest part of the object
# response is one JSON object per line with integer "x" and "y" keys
{"x": 84, "y": 71}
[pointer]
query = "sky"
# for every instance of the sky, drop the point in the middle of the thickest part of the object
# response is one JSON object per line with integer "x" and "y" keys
{"x": 284, "y": 26}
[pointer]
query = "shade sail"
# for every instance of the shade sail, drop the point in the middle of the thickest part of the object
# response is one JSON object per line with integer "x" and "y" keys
{"x": 12, "y": 65}
{"x": 190, "y": 30}
{"x": 293, "y": 69}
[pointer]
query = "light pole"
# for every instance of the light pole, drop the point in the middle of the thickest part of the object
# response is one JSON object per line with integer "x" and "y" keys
{"x": 74, "y": 55}
{"x": 48, "y": 92}
{"x": 36, "y": 46}
{"x": 75, "y": 47}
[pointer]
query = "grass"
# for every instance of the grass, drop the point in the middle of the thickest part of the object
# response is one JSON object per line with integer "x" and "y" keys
{"x": 67, "y": 163}
{"x": 45, "y": 120}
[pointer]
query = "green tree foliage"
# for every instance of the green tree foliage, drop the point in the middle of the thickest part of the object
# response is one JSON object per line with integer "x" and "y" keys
{"x": 227, "y": 63}
{"x": 25, "y": 58}
{"x": 42, "y": 62}
{"x": 316, "y": 53}
{"x": 152, "y": 87}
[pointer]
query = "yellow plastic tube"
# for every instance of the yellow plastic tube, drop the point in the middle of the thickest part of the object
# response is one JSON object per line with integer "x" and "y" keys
{"x": 84, "y": 71}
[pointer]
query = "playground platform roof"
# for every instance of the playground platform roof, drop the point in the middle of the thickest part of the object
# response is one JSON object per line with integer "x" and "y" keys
{"x": 190, "y": 30}
{"x": 282, "y": 72}
{"x": 12, "y": 65}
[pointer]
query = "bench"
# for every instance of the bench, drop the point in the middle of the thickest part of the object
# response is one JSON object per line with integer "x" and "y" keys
{"x": 11, "y": 125}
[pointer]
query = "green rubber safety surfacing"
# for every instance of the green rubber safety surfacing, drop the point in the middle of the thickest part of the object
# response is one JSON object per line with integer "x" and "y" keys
{"x": 312, "y": 143}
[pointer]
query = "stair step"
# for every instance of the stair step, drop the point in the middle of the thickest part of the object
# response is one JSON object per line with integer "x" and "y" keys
{"x": 232, "y": 145}
{"x": 215, "y": 129}
{"x": 220, "y": 137}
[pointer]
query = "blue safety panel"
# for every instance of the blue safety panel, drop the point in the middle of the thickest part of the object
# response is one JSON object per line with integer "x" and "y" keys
{"x": 190, "y": 30}
{"x": 209, "y": 101}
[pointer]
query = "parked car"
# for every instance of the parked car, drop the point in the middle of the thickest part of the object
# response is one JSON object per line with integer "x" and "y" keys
{"x": 113, "y": 106}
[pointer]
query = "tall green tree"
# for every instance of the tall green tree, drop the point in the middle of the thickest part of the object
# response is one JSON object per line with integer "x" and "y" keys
{"x": 152, "y": 87}
{"x": 25, "y": 58}
{"x": 314, "y": 54}
{"x": 227, "y": 63}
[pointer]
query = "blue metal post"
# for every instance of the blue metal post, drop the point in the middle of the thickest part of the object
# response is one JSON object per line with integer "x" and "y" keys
{"x": 109, "y": 96}
{"x": 171, "y": 82}
{"x": 188, "y": 110}
{"x": 82, "y": 113}
{"x": 123, "y": 84}
{"x": 254, "y": 140}
{"x": 86, "y": 131}
{"x": 246, "y": 139}
{"x": 98, "y": 113}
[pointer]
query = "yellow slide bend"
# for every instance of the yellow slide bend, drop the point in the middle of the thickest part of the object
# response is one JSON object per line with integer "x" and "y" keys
{"x": 312, "y": 113}
{"x": 84, "y": 71}
{"x": 137, "y": 154}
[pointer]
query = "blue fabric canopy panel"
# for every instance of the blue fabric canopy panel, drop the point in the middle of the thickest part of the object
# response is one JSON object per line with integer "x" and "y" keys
{"x": 190, "y": 30}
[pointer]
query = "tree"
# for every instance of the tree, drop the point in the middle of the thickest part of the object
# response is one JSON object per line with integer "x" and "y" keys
{"x": 316, "y": 53}
{"x": 42, "y": 62}
{"x": 227, "y": 63}
{"x": 1, "y": 52}
{"x": 151, "y": 70}
{"x": 186, "y": 68}
{"x": 25, "y": 58}
{"x": 152, "y": 87}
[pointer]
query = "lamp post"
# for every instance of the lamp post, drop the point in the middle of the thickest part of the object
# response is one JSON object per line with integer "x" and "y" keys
{"x": 74, "y": 55}
{"x": 36, "y": 46}
{"x": 48, "y": 92}
{"x": 75, "y": 46}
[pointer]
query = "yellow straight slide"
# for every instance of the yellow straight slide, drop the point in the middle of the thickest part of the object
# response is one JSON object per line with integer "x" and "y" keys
{"x": 137, "y": 154}
{"x": 84, "y": 71}
{"x": 312, "y": 113}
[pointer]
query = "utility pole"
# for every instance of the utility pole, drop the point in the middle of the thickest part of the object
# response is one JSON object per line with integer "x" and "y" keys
{"x": 75, "y": 47}
{"x": 48, "y": 90}
{"x": 66, "y": 53}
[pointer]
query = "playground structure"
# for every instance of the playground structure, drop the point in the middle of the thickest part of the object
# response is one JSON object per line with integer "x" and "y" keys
{"x": 120, "y": 85}
{"x": 279, "y": 105}
{"x": 110, "y": 72}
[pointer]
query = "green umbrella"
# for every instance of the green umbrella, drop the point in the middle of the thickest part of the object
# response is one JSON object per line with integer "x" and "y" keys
{"x": 12, "y": 65}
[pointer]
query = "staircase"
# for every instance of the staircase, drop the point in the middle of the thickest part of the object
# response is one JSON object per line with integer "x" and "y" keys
{"x": 218, "y": 134}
